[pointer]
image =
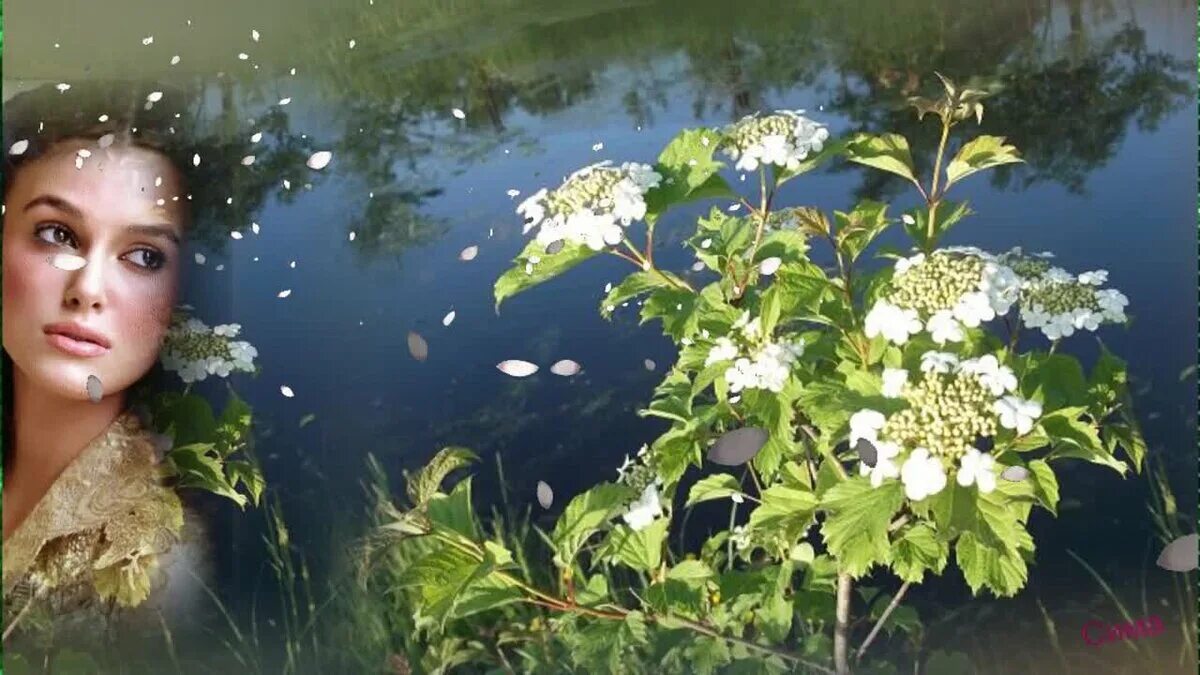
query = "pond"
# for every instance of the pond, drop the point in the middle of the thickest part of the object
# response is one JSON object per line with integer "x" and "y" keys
{"x": 442, "y": 116}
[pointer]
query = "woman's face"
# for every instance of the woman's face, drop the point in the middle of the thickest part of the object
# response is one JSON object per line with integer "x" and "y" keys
{"x": 117, "y": 217}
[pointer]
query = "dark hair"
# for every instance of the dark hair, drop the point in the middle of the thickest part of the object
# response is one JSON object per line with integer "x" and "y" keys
{"x": 46, "y": 116}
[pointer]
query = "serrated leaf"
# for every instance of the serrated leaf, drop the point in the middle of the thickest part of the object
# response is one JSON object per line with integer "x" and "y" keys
{"x": 640, "y": 549}
{"x": 889, "y": 152}
{"x": 978, "y": 154}
{"x": 454, "y": 511}
{"x": 857, "y": 229}
{"x": 516, "y": 280}
{"x": 856, "y": 528}
{"x": 428, "y": 481}
{"x": 691, "y": 572}
{"x": 634, "y": 285}
{"x": 917, "y": 550}
{"x": 1045, "y": 485}
{"x": 675, "y": 597}
{"x": 716, "y": 486}
{"x": 688, "y": 170}
{"x": 583, "y": 515}
{"x": 998, "y": 568}
{"x": 249, "y": 475}
{"x": 785, "y": 512}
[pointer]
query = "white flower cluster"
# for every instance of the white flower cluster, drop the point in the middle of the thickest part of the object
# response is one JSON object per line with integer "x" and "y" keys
{"x": 592, "y": 206}
{"x": 1060, "y": 303}
{"x": 768, "y": 364}
{"x": 639, "y": 475}
{"x": 953, "y": 404}
{"x": 941, "y": 293}
{"x": 784, "y": 138}
{"x": 194, "y": 351}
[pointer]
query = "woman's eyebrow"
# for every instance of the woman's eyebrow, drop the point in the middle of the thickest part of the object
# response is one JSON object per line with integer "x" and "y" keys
{"x": 165, "y": 231}
{"x": 55, "y": 202}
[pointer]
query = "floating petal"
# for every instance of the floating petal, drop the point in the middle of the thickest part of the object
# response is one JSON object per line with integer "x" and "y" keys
{"x": 284, "y": 293}
{"x": 19, "y": 147}
{"x": 1015, "y": 474}
{"x": 517, "y": 368}
{"x": 738, "y": 446}
{"x": 200, "y": 259}
{"x": 468, "y": 254}
{"x": 650, "y": 365}
{"x": 449, "y": 318}
{"x": 867, "y": 453}
{"x": 566, "y": 368}
{"x": 319, "y": 160}
{"x": 545, "y": 495}
{"x": 286, "y": 391}
{"x": 1180, "y": 555}
{"x": 417, "y": 346}
{"x": 68, "y": 262}
{"x": 457, "y": 112}
{"x": 95, "y": 390}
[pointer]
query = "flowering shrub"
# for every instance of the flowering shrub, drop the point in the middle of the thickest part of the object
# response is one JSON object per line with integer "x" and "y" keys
{"x": 206, "y": 451}
{"x": 799, "y": 374}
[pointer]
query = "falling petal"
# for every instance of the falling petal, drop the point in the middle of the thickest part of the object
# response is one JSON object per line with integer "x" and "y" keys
{"x": 68, "y": 262}
{"x": 352, "y": 43}
{"x": 285, "y": 293}
{"x": 1015, "y": 474}
{"x": 513, "y": 193}
{"x": 175, "y": 60}
{"x": 698, "y": 266}
{"x": 256, "y": 137}
{"x": 867, "y": 453}
{"x": 735, "y": 207}
{"x": 770, "y": 266}
{"x": 235, "y": 234}
{"x": 62, "y": 87}
{"x": 285, "y": 101}
{"x": 19, "y": 147}
{"x": 468, "y": 254}
{"x": 247, "y": 160}
{"x": 95, "y": 390}
{"x": 254, "y": 228}
{"x": 598, "y": 147}
{"x": 517, "y": 368}
{"x": 196, "y": 159}
{"x": 243, "y": 56}
{"x": 286, "y": 391}
{"x": 107, "y": 140}
{"x": 545, "y": 495}
{"x": 200, "y": 259}
{"x": 147, "y": 41}
{"x": 307, "y": 419}
{"x": 565, "y": 368}
{"x": 650, "y": 365}
{"x": 457, "y": 112}
{"x": 449, "y": 318}
{"x": 220, "y": 267}
{"x": 555, "y": 246}
{"x": 155, "y": 96}
{"x": 706, "y": 243}
{"x": 1180, "y": 555}
{"x": 738, "y": 446}
{"x": 417, "y": 346}
{"x": 319, "y": 160}
{"x": 254, "y": 35}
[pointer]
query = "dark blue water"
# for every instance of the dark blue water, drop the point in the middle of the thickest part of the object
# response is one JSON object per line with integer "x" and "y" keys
{"x": 1100, "y": 100}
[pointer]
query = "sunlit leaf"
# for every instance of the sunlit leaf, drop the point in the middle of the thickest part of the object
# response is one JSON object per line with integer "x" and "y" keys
{"x": 978, "y": 154}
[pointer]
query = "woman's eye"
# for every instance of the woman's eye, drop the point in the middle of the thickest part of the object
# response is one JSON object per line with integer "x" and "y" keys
{"x": 56, "y": 234}
{"x": 148, "y": 258}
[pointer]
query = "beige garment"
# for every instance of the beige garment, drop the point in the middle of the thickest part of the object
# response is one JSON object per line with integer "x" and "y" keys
{"x": 104, "y": 535}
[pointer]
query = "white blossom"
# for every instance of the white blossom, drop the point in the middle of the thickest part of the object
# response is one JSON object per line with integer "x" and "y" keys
{"x": 866, "y": 423}
{"x": 1017, "y": 413}
{"x": 973, "y": 309}
{"x": 978, "y": 468}
{"x": 894, "y": 323}
{"x": 922, "y": 475}
{"x": 1094, "y": 278}
{"x": 894, "y": 380}
{"x": 943, "y": 328}
{"x": 885, "y": 463}
{"x": 644, "y": 509}
{"x": 723, "y": 350}
{"x": 938, "y": 362}
{"x": 905, "y": 264}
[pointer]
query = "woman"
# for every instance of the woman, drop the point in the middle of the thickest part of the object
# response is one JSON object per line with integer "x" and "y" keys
{"x": 95, "y": 214}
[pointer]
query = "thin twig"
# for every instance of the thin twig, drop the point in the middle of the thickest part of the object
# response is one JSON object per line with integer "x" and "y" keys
{"x": 841, "y": 637}
{"x": 883, "y": 618}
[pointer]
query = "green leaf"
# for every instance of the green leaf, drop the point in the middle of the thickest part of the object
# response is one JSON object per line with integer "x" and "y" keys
{"x": 634, "y": 285}
{"x": 583, "y": 516}
{"x": 688, "y": 170}
{"x": 889, "y": 152}
{"x": 691, "y": 572}
{"x": 856, "y": 529}
{"x": 594, "y": 592}
{"x": 454, "y": 511}
{"x": 1001, "y": 569}
{"x": 978, "y": 154}
{"x": 716, "y": 486}
{"x": 1060, "y": 380}
{"x": 917, "y": 550}
{"x": 674, "y": 597}
{"x": 948, "y": 663}
{"x": 516, "y": 280}
{"x": 707, "y": 654}
{"x": 1128, "y": 437}
{"x": 857, "y": 229}
{"x": 640, "y": 549}
{"x": 785, "y": 512}
{"x": 249, "y": 475}
{"x": 188, "y": 418}
{"x": 1045, "y": 485}
{"x": 677, "y": 308}
{"x": 428, "y": 481}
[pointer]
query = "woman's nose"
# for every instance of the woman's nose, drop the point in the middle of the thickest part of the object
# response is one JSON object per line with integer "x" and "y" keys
{"x": 86, "y": 288}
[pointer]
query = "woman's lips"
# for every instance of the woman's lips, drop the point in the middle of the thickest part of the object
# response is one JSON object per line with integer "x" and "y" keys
{"x": 75, "y": 347}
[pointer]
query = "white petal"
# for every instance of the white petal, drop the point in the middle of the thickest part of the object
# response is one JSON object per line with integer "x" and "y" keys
{"x": 68, "y": 262}
{"x": 457, "y": 112}
{"x": 285, "y": 293}
{"x": 19, "y": 147}
{"x": 319, "y": 160}
{"x": 517, "y": 368}
{"x": 770, "y": 265}
{"x": 565, "y": 368}
{"x": 449, "y": 318}
{"x": 200, "y": 259}
{"x": 286, "y": 391}
{"x": 468, "y": 253}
